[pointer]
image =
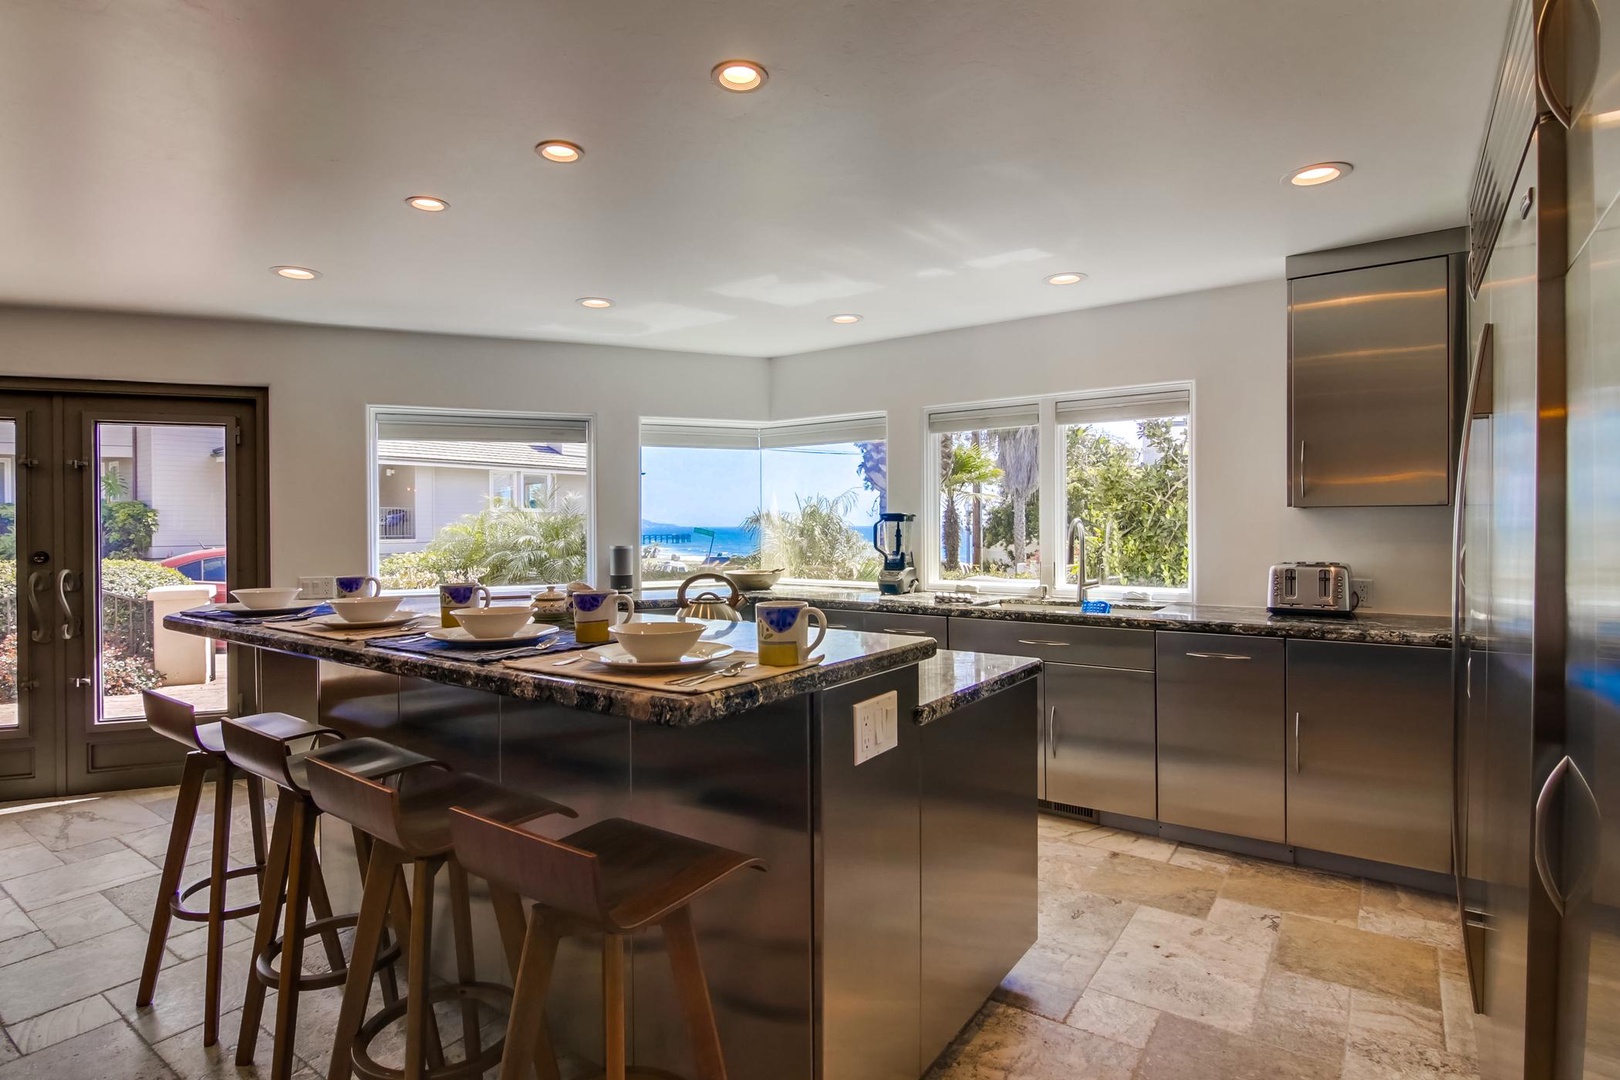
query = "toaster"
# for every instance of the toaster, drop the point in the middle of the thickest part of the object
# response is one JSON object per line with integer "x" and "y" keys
{"x": 1313, "y": 588}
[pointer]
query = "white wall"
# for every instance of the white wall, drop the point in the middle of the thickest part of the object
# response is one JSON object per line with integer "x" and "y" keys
{"x": 1232, "y": 344}
{"x": 321, "y": 380}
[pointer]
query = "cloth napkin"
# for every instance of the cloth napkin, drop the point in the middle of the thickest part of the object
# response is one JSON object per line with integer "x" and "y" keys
{"x": 242, "y": 619}
{"x": 422, "y": 645}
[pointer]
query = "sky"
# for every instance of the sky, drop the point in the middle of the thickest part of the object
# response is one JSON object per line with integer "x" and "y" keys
{"x": 681, "y": 486}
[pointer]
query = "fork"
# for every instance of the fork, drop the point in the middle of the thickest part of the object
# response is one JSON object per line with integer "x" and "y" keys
{"x": 719, "y": 673}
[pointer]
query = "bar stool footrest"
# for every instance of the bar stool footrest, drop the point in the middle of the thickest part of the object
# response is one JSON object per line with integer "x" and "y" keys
{"x": 177, "y": 903}
{"x": 635, "y": 1072}
{"x": 490, "y": 995}
{"x": 266, "y": 971}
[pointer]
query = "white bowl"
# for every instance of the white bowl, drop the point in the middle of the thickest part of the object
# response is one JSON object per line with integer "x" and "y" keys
{"x": 266, "y": 598}
{"x": 495, "y": 621}
{"x": 365, "y": 608}
{"x": 657, "y": 642}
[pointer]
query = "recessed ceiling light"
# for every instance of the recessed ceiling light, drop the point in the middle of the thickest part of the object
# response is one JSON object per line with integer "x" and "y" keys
{"x": 427, "y": 203}
{"x": 1321, "y": 173}
{"x": 1068, "y": 277}
{"x": 559, "y": 150}
{"x": 595, "y": 302}
{"x": 739, "y": 76}
{"x": 844, "y": 319}
{"x": 296, "y": 273}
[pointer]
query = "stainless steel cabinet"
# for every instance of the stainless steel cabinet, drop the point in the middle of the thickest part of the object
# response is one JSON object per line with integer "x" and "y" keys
{"x": 1097, "y": 730}
{"x": 1593, "y": 96}
{"x": 1099, "y": 739}
{"x": 1369, "y": 734}
{"x": 887, "y": 622}
{"x": 1220, "y": 707}
{"x": 1370, "y": 376}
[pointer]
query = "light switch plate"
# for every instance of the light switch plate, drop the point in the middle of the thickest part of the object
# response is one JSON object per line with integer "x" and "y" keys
{"x": 877, "y": 726}
{"x": 317, "y": 588}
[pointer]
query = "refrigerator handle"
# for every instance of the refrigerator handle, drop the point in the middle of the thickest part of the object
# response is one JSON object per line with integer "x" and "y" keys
{"x": 1538, "y": 840}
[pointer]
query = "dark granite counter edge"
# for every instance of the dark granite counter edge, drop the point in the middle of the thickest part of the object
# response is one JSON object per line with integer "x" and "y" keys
{"x": 1017, "y": 669}
{"x": 1371, "y": 628}
{"x": 678, "y": 710}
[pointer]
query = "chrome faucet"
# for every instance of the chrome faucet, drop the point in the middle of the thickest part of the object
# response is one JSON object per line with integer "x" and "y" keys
{"x": 1077, "y": 529}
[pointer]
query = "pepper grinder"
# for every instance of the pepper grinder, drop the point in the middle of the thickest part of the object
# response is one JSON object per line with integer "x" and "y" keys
{"x": 621, "y": 568}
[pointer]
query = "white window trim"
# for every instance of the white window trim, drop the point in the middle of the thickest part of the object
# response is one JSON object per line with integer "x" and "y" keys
{"x": 590, "y": 420}
{"x": 1053, "y": 528}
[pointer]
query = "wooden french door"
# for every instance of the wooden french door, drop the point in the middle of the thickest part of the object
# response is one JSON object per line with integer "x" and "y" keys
{"x": 117, "y": 502}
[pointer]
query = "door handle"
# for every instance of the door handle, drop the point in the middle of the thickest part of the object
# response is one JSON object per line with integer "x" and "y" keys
{"x": 1538, "y": 841}
{"x": 38, "y": 582}
{"x": 67, "y": 581}
{"x": 1219, "y": 656}
{"x": 1296, "y": 743}
{"x": 81, "y": 682}
{"x": 1051, "y": 730}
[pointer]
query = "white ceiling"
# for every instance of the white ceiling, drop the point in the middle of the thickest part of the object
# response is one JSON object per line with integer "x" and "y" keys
{"x": 922, "y": 162}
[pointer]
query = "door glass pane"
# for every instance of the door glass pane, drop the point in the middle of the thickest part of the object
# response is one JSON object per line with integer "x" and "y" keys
{"x": 10, "y": 615}
{"x": 161, "y": 537}
{"x": 989, "y": 514}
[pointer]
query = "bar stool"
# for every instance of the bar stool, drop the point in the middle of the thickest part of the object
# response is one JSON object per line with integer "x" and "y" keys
{"x": 409, "y": 825}
{"x": 205, "y": 753}
{"x": 612, "y": 878}
{"x": 293, "y": 880}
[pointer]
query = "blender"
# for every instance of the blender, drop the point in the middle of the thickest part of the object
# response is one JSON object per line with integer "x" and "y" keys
{"x": 891, "y": 535}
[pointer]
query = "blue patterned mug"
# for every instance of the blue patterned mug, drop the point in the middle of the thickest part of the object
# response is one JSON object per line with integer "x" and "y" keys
{"x": 363, "y": 585}
{"x": 784, "y": 631}
{"x": 597, "y": 609}
{"x": 459, "y": 594}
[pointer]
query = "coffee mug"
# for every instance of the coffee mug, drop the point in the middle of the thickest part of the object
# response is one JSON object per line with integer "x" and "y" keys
{"x": 784, "y": 630}
{"x": 357, "y": 586}
{"x": 595, "y": 610}
{"x": 459, "y": 594}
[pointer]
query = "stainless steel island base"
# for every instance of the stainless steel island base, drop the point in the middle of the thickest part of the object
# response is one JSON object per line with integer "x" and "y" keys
{"x": 897, "y": 893}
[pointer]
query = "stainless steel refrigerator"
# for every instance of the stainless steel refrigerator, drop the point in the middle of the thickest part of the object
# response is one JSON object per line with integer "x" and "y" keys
{"x": 1538, "y": 556}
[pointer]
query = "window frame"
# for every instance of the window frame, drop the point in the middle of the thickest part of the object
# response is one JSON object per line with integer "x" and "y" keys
{"x": 489, "y": 416}
{"x": 1053, "y": 489}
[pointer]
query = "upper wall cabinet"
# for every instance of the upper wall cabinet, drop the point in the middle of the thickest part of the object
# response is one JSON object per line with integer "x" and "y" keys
{"x": 1592, "y": 98}
{"x": 1374, "y": 339}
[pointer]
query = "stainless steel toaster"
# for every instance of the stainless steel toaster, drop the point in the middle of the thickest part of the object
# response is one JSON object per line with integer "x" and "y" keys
{"x": 1318, "y": 588}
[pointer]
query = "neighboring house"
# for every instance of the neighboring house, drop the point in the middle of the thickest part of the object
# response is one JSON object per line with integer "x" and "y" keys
{"x": 422, "y": 485}
{"x": 177, "y": 469}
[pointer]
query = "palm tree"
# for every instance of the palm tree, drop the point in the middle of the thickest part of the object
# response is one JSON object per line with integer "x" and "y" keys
{"x": 514, "y": 545}
{"x": 1018, "y": 453}
{"x": 815, "y": 541}
{"x": 874, "y": 471}
{"x": 960, "y": 467}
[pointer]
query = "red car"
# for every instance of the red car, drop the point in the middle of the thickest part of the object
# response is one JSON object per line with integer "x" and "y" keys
{"x": 206, "y": 566}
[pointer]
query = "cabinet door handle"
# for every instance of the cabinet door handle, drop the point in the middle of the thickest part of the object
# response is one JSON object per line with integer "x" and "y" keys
{"x": 1296, "y": 742}
{"x": 1299, "y": 476}
{"x": 1219, "y": 656}
{"x": 1538, "y": 841}
{"x": 907, "y": 633}
{"x": 1041, "y": 641}
{"x": 1051, "y": 729}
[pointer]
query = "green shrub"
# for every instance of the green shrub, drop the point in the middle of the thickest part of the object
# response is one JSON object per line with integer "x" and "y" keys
{"x": 413, "y": 570}
{"x": 133, "y": 577}
{"x": 127, "y": 528}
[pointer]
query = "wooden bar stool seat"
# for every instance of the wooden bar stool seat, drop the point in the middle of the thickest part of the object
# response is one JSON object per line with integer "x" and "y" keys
{"x": 205, "y": 753}
{"x": 612, "y": 878}
{"x": 279, "y": 753}
{"x": 408, "y": 823}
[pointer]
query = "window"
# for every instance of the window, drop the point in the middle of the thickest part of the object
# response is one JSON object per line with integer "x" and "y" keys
{"x": 1117, "y": 460}
{"x": 502, "y": 499}
{"x": 800, "y": 495}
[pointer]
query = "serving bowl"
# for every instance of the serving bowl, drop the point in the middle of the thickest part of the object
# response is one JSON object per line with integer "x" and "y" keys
{"x": 365, "y": 608}
{"x": 267, "y": 598}
{"x": 657, "y": 642}
{"x": 754, "y": 580}
{"x": 495, "y": 621}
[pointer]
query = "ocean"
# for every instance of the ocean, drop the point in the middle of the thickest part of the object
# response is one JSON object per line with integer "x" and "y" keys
{"x": 728, "y": 540}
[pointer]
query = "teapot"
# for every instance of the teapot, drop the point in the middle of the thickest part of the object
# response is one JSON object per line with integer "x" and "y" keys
{"x": 709, "y": 604}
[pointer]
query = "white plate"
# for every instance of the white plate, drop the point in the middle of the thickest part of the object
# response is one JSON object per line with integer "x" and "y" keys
{"x": 338, "y": 622}
{"x": 456, "y": 635}
{"x": 702, "y": 654}
{"x": 261, "y": 612}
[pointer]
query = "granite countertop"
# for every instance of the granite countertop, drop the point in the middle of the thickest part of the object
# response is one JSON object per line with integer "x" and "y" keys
{"x": 949, "y": 680}
{"x": 1367, "y": 627}
{"x": 848, "y": 655}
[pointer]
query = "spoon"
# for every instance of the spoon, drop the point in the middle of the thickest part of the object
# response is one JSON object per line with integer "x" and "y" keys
{"x": 721, "y": 673}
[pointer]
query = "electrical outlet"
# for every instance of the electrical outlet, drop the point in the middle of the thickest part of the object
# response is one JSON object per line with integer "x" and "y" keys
{"x": 1362, "y": 587}
{"x": 317, "y": 588}
{"x": 877, "y": 725}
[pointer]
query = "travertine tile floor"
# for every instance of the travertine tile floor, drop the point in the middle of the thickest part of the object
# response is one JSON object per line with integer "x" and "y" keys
{"x": 1155, "y": 961}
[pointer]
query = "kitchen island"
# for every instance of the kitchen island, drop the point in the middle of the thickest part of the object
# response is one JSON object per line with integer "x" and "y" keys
{"x": 898, "y": 891}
